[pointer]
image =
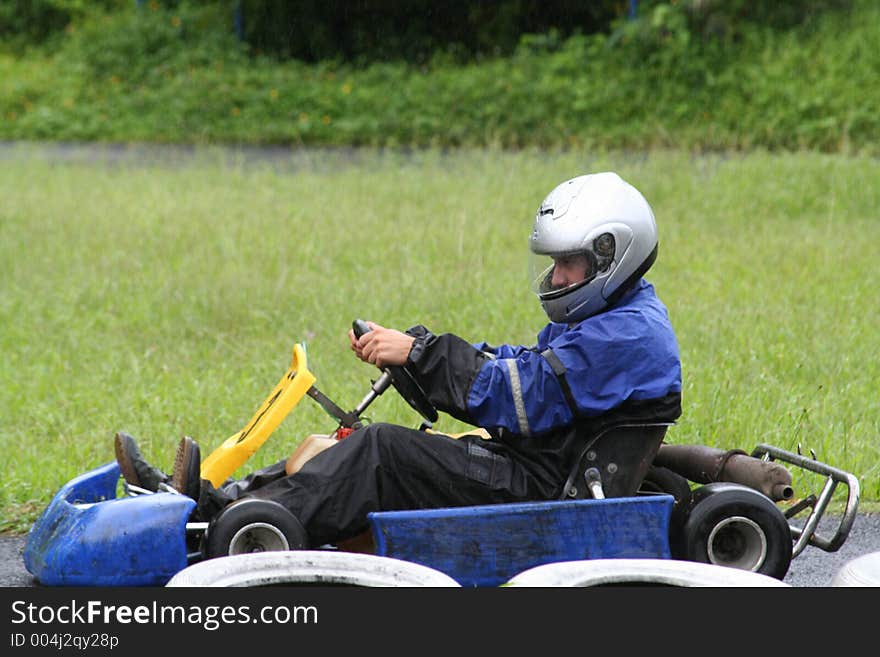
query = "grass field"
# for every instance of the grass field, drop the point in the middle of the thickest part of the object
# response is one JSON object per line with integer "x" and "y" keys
{"x": 163, "y": 298}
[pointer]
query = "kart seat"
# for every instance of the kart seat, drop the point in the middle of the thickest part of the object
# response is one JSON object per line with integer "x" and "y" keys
{"x": 614, "y": 462}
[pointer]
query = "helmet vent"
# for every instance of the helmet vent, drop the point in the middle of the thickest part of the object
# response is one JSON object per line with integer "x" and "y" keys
{"x": 604, "y": 245}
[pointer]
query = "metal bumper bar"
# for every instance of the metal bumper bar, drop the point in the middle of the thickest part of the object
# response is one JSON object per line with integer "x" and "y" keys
{"x": 807, "y": 535}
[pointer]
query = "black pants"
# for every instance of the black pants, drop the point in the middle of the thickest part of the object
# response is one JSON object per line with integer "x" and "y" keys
{"x": 385, "y": 467}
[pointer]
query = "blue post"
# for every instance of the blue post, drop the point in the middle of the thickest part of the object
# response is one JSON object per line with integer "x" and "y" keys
{"x": 239, "y": 21}
{"x": 633, "y": 8}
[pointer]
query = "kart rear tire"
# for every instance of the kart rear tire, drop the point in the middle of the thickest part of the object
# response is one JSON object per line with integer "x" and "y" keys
{"x": 735, "y": 526}
{"x": 253, "y": 525}
{"x": 663, "y": 480}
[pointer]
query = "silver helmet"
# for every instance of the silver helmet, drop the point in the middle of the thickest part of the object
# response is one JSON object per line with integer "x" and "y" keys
{"x": 606, "y": 220}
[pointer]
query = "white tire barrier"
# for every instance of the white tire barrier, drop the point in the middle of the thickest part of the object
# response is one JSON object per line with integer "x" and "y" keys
{"x": 669, "y": 572}
{"x": 311, "y": 568}
{"x": 861, "y": 571}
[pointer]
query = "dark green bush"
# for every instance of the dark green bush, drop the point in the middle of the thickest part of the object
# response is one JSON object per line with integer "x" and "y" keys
{"x": 175, "y": 73}
{"x": 26, "y": 23}
{"x": 382, "y": 30}
{"x": 149, "y": 43}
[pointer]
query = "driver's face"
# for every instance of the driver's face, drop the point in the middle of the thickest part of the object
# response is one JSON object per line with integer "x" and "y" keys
{"x": 568, "y": 270}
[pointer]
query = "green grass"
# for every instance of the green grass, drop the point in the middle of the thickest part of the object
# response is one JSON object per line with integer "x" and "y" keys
{"x": 164, "y": 299}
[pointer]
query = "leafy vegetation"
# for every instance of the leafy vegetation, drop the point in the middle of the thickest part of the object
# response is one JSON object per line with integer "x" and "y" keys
{"x": 687, "y": 75}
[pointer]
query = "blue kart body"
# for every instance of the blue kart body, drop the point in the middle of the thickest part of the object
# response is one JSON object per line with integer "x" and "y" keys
{"x": 89, "y": 537}
{"x": 487, "y": 545}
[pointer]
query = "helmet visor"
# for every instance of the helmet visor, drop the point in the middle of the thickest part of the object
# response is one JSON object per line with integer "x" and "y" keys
{"x": 553, "y": 276}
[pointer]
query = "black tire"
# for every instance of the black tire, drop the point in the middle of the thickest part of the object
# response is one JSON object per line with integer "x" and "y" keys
{"x": 253, "y": 525}
{"x": 733, "y": 525}
{"x": 663, "y": 480}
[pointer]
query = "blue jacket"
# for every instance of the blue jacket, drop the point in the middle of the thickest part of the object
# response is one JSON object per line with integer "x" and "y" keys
{"x": 627, "y": 354}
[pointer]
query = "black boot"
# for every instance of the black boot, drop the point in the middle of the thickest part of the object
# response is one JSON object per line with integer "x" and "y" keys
{"x": 187, "y": 468}
{"x": 134, "y": 467}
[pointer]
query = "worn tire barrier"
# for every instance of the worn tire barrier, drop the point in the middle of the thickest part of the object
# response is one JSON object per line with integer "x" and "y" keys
{"x": 309, "y": 568}
{"x": 639, "y": 572}
{"x": 861, "y": 571}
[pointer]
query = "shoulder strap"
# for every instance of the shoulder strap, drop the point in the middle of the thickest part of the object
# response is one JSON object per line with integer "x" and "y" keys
{"x": 559, "y": 370}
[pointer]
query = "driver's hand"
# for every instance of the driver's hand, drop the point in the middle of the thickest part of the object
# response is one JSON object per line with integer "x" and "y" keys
{"x": 381, "y": 346}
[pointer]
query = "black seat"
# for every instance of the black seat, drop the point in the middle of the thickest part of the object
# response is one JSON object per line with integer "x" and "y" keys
{"x": 614, "y": 462}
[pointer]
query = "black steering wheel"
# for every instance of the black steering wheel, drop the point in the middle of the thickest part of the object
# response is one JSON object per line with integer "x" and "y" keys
{"x": 403, "y": 381}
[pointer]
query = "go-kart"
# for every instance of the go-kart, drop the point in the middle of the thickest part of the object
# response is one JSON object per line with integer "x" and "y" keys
{"x": 629, "y": 495}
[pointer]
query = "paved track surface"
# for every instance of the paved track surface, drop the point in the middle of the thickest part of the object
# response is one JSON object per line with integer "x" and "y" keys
{"x": 813, "y": 568}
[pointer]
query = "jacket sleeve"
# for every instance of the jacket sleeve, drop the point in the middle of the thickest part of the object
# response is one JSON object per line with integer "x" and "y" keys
{"x": 584, "y": 371}
{"x": 488, "y": 387}
{"x": 502, "y": 351}
{"x": 445, "y": 367}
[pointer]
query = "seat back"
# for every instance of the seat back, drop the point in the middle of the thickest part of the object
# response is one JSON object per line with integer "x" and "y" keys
{"x": 621, "y": 455}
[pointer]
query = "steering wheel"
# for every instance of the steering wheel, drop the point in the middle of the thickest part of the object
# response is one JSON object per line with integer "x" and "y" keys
{"x": 403, "y": 381}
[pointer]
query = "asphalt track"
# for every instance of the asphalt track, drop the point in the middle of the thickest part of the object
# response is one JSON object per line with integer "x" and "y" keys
{"x": 812, "y": 568}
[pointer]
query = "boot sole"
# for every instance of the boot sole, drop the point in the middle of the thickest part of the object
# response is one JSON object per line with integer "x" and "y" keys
{"x": 126, "y": 467}
{"x": 186, "y": 463}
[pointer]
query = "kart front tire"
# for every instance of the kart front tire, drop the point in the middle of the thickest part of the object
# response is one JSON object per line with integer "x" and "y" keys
{"x": 253, "y": 525}
{"x": 735, "y": 526}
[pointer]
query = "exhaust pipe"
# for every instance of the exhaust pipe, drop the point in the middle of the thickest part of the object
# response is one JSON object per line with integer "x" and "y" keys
{"x": 704, "y": 465}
